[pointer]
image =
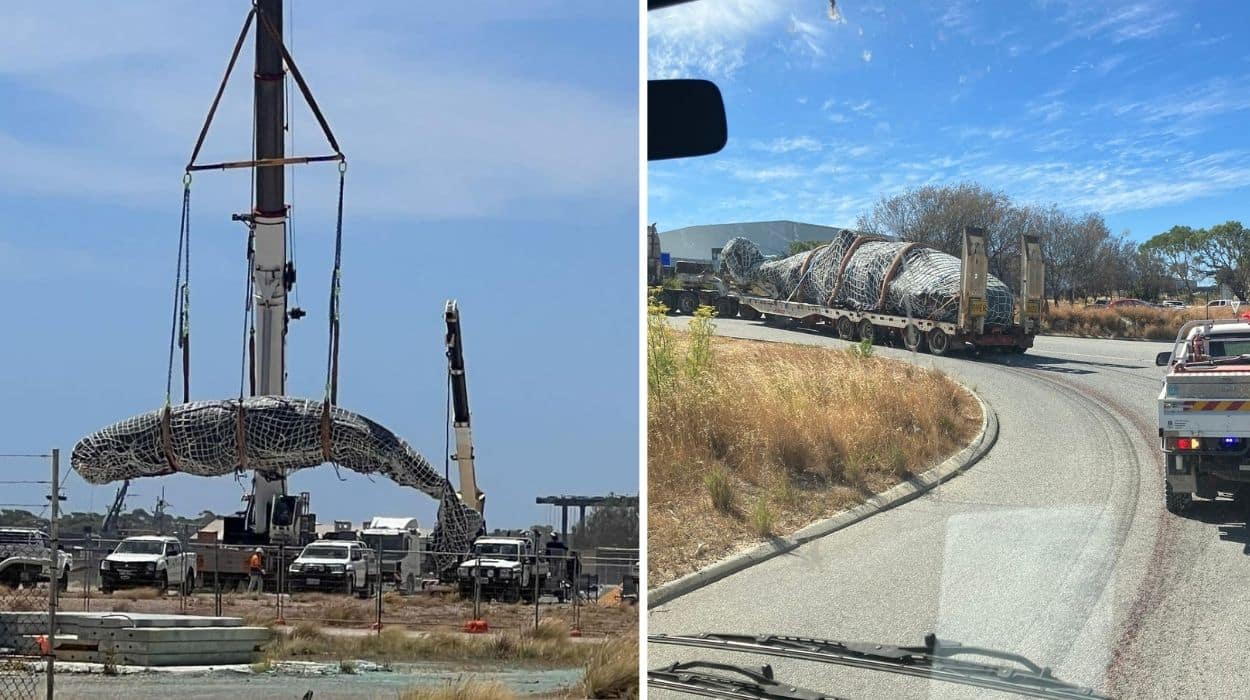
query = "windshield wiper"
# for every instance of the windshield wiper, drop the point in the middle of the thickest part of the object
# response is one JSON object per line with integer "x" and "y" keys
{"x": 935, "y": 660}
{"x": 1223, "y": 360}
{"x": 752, "y": 683}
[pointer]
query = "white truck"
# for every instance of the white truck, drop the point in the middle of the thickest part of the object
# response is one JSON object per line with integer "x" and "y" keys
{"x": 25, "y": 558}
{"x": 402, "y": 545}
{"x": 1204, "y": 412}
{"x": 343, "y": 566}
{"x": 148, "y": 560}
{"x": 504, "y": 568}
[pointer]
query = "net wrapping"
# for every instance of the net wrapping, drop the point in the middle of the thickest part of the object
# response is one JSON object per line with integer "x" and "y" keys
{"x": 849, "y": 272}
{"x": 282, "y": 434}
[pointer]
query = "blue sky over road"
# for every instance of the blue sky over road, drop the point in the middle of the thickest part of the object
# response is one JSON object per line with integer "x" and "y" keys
{"x": 493, "y": 153}
{"x": 1133, "y": 108}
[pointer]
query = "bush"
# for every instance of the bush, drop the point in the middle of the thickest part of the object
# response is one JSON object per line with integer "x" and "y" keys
{"x": 762, "y": 519}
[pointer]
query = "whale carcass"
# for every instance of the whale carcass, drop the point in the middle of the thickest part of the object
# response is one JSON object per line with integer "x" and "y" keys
{"x": 849, "y": 272}
{"x": 279, "y": 434}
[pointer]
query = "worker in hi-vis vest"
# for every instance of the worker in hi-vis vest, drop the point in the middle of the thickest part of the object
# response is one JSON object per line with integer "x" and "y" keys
{"x": 255, "y": 571}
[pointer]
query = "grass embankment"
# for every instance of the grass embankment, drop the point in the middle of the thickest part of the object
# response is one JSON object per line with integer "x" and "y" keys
{"x": 611, "y": 667}
{"x": 1143, "y": 323}
{"x": 749, "y": 439}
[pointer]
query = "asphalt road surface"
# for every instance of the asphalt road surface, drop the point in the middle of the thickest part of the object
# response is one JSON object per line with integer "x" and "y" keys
{"x": 1056, "y": 546}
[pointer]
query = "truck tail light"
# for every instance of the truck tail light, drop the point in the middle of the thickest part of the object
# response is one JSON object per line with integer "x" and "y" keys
{"x": 1188, "y": 443}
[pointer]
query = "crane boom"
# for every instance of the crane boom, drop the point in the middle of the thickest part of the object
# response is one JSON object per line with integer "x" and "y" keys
{"x": 269, "y": 271}
{"x": 469, "y": 493}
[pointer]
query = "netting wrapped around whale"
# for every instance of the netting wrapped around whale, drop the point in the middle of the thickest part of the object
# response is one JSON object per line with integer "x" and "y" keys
{"x": 848, "y": 272}
{"x": 281, "y": 433}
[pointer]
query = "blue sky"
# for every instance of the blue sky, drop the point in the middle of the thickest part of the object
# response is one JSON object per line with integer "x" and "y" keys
{"x": 1134, "y": 108}
{"x": 493, "y": 153}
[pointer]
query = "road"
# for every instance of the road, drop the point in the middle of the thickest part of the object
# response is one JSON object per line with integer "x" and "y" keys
{"x": 1056, "y": 546}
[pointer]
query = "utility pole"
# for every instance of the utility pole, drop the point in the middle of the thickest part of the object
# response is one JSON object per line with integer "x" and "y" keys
{"x": 270, "y": 275}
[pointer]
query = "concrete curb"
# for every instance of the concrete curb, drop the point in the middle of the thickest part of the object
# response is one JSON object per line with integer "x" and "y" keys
{"x": 898, "y": 494}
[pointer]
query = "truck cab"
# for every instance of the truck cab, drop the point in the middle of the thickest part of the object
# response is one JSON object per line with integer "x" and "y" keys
{"x": 25, "y": 558}
{"x": 503, "y": 568}
{"x": 148, "y": 560}
{"x": 400, "y": 542}
{"x": 343, "y": 566}
{"x": 1204, "y": 413}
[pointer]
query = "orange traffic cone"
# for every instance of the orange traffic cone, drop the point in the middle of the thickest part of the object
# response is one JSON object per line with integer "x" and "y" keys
{"x": 476, "y": 627}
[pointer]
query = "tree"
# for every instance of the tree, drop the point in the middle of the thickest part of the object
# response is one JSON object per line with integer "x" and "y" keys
{"x": 797, "y": 247}
{"x": 1223, "y": 253}
{"x": 1177, "y": 250}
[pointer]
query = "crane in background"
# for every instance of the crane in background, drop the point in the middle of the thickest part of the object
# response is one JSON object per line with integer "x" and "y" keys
{"x": 460, "y": 418}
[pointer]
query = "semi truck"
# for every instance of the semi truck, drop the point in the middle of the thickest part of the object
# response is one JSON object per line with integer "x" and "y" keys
{"x": 1204, "y": 413}
{"x": 969, "y": 330}
{"x": 403, "y": 546}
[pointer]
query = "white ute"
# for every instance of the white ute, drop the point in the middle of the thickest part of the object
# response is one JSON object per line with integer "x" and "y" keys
{"x": 1204, "y": 413}
{"x": 148, "y": 560}
{"x": 346, "y": 566}
{"x": 25, "y": 558}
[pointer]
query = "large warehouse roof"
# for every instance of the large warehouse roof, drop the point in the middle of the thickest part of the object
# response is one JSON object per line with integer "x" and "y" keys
{"x": 773, "y": 237}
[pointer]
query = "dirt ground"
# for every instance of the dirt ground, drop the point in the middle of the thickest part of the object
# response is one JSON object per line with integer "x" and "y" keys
{"x": 428, "y": 612}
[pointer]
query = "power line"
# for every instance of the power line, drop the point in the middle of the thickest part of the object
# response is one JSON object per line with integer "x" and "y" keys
{"x": 26, "y": 456}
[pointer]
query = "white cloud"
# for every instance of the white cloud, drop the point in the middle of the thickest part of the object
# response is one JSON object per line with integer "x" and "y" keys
{"x": 423, "y": 133}
{"x": 712, "y": 39}
{"x": 1116, "y": 22}
{"x": 786, "y": 144}
{"x": 867, "y": 56}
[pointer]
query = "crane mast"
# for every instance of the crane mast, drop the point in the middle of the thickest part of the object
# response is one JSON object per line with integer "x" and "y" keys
{"x": 461, "y": 422}
{"x": 272, "y": 277}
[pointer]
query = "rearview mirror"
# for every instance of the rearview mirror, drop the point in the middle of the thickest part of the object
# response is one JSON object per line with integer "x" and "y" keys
{"x": 1163, "y": 358}
{"x": 685, "y": 118}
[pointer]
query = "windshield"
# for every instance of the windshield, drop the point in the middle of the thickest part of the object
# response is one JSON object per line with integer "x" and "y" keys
{"x": 497, "y": 551}
{"x": 393, "y": 546}
{"x": 140, "y": 547}
{"x": 1220, "y": 346}
{"x": 1014, "y": 206}
{"x": 315, "y": 552}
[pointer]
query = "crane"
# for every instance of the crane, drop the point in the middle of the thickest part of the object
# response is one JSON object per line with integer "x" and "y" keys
{"x": 461, "y": 422}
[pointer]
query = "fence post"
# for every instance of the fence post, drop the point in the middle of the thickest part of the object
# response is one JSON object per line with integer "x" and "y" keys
{"x": 216, "y": 582}
{"x": 278, "y": 581}
{"x": 378, "y": 624}
{"x": 54, "y": 576}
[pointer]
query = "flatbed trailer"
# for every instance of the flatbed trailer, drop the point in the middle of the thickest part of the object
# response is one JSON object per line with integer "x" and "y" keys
{"x": 968, "y": 331}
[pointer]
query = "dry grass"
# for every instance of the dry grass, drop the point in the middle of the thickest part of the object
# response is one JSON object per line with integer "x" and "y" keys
{"x": 612, "y": 671}
{"x": 461, "y": 690}
{"x": 1128, "y": 322}
{"x": 308, "y": 641}
{"x": 548, "y": 628}
{"x": 799, "y": 433}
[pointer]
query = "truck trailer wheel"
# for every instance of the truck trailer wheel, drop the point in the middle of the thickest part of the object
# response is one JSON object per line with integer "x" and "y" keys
{"x": 867, "y": 331}
{"x": 913, "y": 339}
{"x": 939, "y": 342}
{"x": 687, "y": 303}
{"x": 1176, "y": 502}
{"x": 845, "y": 327}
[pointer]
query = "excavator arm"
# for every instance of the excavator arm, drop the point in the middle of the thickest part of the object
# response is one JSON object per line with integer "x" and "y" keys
{"x": 461, "y": 422}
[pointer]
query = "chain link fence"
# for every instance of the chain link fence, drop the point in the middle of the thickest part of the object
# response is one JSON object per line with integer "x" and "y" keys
{"x": 595, "y": 593}
{"x": 33, "y": 568}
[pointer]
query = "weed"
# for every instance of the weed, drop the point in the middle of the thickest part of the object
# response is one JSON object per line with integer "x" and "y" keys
{"x": 612, "y": 670}
{"x": 762, "y": 518}
{"x": 699, "y": 347}
{"x": 347, "y": 666}
{"x": 461, "y": 690}
{"x": 719, "y": 488}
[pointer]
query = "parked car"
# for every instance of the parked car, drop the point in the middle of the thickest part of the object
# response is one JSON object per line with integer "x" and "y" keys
{"x": 1216, "y": 303}
{"x": 344, "y": 566}
{"x": 1099, "y": 304}
{"x": 1128, "y": 303}
{"x": 25, "y": 558}
{"x": 148, "y": 560}
{"x": 1172, "y": 304}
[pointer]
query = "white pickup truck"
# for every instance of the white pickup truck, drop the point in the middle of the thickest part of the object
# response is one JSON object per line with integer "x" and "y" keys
{"x": 346, "y": 566}
{"x": 1204, "y": 413}
{"x": 148, "y": 560}
{"x": 25, "y": 558}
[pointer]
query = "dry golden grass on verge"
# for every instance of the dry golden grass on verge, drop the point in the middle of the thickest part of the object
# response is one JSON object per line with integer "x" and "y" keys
{"x": 308, "y": 641}
{"x": 781, "y": 435}
{"x": 1128, "y": 322}
{"x": 611, "y": 672}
